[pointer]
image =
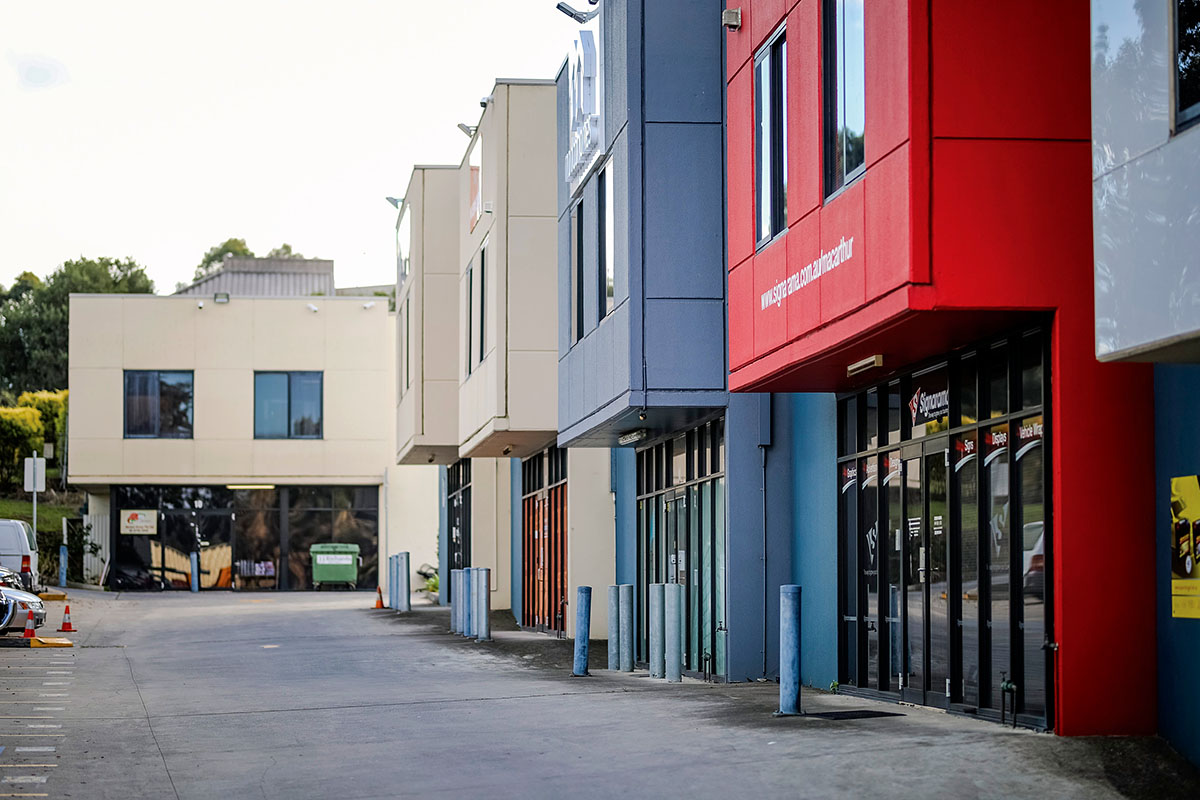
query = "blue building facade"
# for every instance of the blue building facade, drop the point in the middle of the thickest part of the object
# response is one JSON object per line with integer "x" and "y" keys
{"x": 707, "y": 484}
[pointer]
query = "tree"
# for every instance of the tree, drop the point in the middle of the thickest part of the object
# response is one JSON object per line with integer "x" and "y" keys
{"x": 284, "y": 251}
{"x": 216, "y": 255}
{"x": 20, "y": 434}
{"x": 34, "y": 321}
{"x": 52, "y": 405}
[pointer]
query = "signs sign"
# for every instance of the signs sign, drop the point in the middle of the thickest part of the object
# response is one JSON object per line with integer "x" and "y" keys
{"x": 1184, "y": 535}
{"x": 585, "y": 135}
{"x": 340, "y": 559}
{"x": 35, "y": 474}
{"x": 139, "y": 522}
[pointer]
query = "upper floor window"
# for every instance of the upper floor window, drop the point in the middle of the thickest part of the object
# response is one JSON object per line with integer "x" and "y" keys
{"x": 1187, "y": 60}
{"x": 770, "y": 137}
{"x": 483, "y": 300}
{"x": 288, "y": 405}
{"x": 158, "y": 404}
{"x": 577, "y": 267}
{"x": 469, "y": 338}
{"x": 845, "y": 92}
{"x": 403, "y": 245}
{"x": 607, "y": 271}
{"x": 408, "y": 342}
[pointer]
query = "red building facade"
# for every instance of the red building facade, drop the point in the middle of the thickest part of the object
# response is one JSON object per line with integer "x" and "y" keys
{"x": 943, "y": 288}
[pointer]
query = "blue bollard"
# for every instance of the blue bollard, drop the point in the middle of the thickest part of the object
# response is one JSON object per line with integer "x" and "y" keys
{"x": 614, "y": 628}
{"x": 403, "y": 587}
{"x": 455, "y": 601}
{"x": 583, "y": 629}
{"x": 195, "y": 571}
{"x": 658, "y": 594}
{"x": 789, "y": 651}
{"x": 673, "y": 640}
{"x": 391, "y": 582}
{"x": 626, "y": 609}
{"x": 468, "y": 602}
{"x": 62, "y": 565}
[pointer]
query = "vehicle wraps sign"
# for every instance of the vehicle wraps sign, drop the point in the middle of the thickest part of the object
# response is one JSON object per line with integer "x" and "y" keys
{"x": 1185, "y": 534}
{"x": 139, "y": 522}
{"x": 334, "y": 559}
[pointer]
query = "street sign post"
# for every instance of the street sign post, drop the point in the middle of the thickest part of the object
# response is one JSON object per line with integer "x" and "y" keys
{"x": 35, "y": 481}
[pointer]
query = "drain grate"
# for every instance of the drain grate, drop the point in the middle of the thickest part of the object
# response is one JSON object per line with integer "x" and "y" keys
{"x": 861, "y": 713}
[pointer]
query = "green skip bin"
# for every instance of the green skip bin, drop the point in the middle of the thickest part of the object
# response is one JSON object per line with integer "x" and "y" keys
{"x": 335, "y": 563}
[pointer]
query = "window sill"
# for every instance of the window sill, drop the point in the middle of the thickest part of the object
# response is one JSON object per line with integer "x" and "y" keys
{"x": 765, "y": 243}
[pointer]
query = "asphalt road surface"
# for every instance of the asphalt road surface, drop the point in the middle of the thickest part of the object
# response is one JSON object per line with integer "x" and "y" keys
{"x": 316, "y": 696}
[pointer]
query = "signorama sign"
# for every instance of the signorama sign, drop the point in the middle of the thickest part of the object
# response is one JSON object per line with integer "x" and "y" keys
{"x": 139, "y": 522}
{"x": 585, "y": 132}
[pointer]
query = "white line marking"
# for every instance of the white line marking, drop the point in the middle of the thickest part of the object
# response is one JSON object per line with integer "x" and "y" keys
{"x": 49, "y": 708}
{"x": 59, "y": 672}
{"x": 53, "y": 694}
{"x": 56, "y": 683}
{"x": 43, "y": 726}
{"x": 24, "y": 779}
{"x": 34, "y": 749}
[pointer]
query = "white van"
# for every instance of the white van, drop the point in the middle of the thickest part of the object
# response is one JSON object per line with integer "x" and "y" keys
{"x": 18, "y": 550}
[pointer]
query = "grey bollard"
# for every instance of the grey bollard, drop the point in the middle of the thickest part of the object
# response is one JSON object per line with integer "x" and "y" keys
{"x": 789, "y": 651}
{"x": 583, "y": 630}
{"x": 455, "y": 603}
{"x": 403, "y": 587}
{"x": 483, "y": 604}
{"x": 391, "y": 603}
{"x": 468, "y": 602}
{"x": 658, "y": 667}
{"x": 626, "y": 612}
{"x": 614, "y": 628}
{"x": 673, "y": 641}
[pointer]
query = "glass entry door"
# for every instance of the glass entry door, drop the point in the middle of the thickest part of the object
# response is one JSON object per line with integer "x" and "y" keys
{"x": 208, "y": 533}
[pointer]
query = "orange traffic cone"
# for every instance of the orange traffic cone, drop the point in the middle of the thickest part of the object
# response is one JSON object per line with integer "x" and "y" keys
{"x": 379, "y": 597}
{"x": 66, "y": 626}
{"x": 29, "y": 634}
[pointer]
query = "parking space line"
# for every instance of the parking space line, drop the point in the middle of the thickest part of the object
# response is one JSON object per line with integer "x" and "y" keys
{"x": 42, "y": 725}
{"x": 56, "y": 683}
{"x": 34, "y": 749}
{"x": 24, "y": 779}
{"x": 50, "y": 708}
{"x": 26, "y": 794}
{"x": 52, "y": 694}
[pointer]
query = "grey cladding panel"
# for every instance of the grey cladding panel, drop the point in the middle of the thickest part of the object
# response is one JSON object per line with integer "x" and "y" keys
{"x": 616, "y": 35}
{"x": 684, "y": 64}
{"x": 685, "y": 344}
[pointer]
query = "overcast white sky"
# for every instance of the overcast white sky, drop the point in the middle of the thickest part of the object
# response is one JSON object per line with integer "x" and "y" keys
{"x": 156, "y": 130}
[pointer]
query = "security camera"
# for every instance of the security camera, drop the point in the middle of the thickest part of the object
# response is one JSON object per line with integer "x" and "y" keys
{"x": 483, "y": 101}
{"x": 312, "y": 308}
{"x": 199, "y": 304}
{"x": 369, "y": 304}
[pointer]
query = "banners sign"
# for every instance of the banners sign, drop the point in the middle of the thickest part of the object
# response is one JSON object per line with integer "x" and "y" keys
{"x": 139, "y": 522}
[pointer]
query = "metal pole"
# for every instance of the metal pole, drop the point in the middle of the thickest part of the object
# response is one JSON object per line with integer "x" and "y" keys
{"x": 403, "y": 587}
{"x": 673, "y": 641}
{"x": 583, "y": 629}
{"x": 468, "y": 602}
{"x": 483, "y": 604}
{"x": 62, "y": 557}
{"x": 195, "y": 571}
{"x": 455, "y": 603}
{"x": 626, "y": 609}
{"x": 614, "y": 627}
{"x": 658, "y": 594}
{"x": 789, "y": 651}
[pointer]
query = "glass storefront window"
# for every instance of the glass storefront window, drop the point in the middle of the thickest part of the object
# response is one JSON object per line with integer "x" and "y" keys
{"x": 1031, "y": 371}
{"x": 871, "y": 426}
{"x": 968, "y": 392}
{"x": 998, "y": 381}
{"x": 998, "y": 539}
{"x": 966, "y": 476}
{"x": 929, "y": 405}
{"x": 868, "y": 524}
{"x": 1031, "y": 484}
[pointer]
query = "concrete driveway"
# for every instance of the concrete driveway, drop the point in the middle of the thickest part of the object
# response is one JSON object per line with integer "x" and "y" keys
{"x": 315, "y": 696}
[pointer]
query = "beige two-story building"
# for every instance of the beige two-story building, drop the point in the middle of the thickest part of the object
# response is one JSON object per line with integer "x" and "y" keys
{"x": 246, "y": 429}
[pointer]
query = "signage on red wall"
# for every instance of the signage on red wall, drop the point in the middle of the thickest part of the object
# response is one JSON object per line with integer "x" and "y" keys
{"x": 809, "y": 273}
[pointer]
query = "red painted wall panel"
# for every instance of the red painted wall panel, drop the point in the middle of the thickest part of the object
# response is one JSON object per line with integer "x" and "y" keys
{"x": 886, "y": 33}
{"x": 804, "y": 109}
{"x": 803, "y": 247}
{"x": 770, "y": 323}
{"x": 1016, "y": 69}
{"x": 741, "y": 326}
{"x": 765, "y": 19}
{"x": 888, "y": 223}
{"x": 738, "y": 44}
{"x": 740, "y": 165}
{"x": 845, "y": 287}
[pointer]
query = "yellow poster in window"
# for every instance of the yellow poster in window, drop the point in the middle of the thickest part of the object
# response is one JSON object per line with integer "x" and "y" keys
{"x": 1185, "y": 535}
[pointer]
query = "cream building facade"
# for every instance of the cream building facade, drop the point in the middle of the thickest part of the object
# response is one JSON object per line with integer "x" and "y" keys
{"x": 253, "y": 428}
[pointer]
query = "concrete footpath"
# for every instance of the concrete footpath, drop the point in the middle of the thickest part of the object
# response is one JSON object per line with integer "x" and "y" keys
{"x": 315, "y": 695}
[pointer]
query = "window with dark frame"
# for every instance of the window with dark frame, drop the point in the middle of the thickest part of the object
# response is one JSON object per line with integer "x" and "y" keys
{"x": 577, "y": 270}
{"x": 408, "y": 342}
{"x": 770, "y": 138}
{"x": 470, "y": 316}
{"x": 985, "y": 407}
{"x": 845, "y": 92}
{"x": 482, "y": 300}
{"x": 1187, "y": 61}
{"x": 607, "y": 256}
{"x": 288, "y": 405}
{"x": 158, "y": 404}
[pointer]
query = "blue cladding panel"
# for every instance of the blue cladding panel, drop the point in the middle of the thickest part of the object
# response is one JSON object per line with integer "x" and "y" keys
{"x": 685, "y": 344}
{"x": 684, "y": 61}
{"x": 684, "y": 211}
{"x": 1177, "y": 453}
{"x": 517, "y": 581}
{"x": 624, "y": 483}
{"x": 814, "y": 544}
{"x": 443, "y": 540}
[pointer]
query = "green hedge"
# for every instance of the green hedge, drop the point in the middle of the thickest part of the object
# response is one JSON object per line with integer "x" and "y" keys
{"x": 21, "y": 432}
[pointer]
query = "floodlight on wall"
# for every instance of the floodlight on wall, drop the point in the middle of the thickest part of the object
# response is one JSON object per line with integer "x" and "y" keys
{"x": 859, "y": 367}
{"x": 395, "y": 201}
{"x": 469, "y": 130}
{"x": 312, "y": 308}
{"x": 731, "y": 19}
{"x": 221, "y": 298}
{"x": 579, "y": 16}
{"x": 632, "y": 437}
